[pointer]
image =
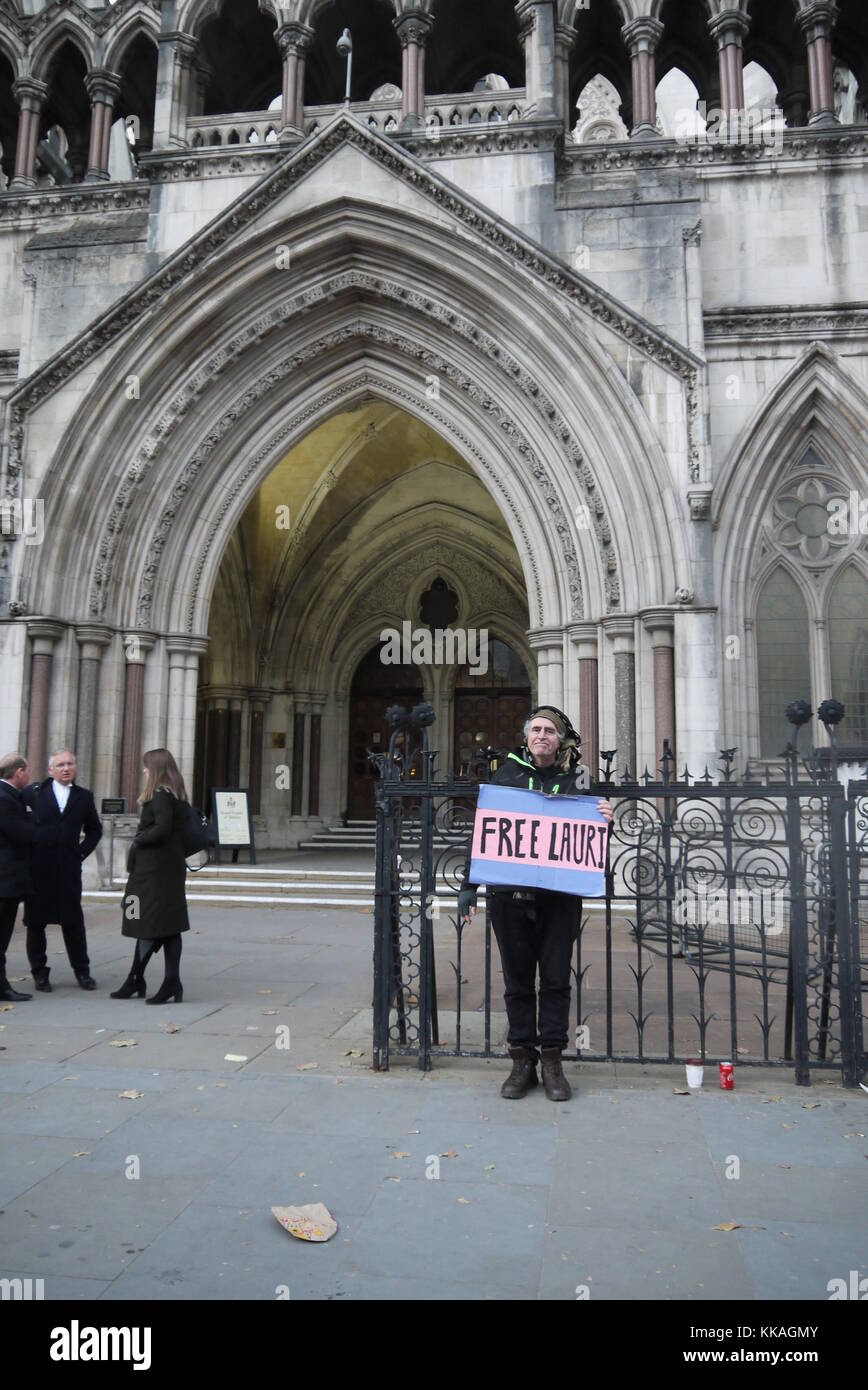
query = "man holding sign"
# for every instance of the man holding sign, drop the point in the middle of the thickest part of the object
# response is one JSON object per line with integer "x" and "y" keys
{"x": 540, "y": 845}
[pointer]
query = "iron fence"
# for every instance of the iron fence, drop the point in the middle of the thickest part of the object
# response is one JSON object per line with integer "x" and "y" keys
{"x": 733, "y": 925}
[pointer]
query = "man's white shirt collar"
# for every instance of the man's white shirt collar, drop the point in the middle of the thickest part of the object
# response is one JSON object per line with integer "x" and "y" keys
{"x": 61, "y": 793}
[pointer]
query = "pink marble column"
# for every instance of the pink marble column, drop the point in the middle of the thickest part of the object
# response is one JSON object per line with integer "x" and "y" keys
{"x": 660, "y": 624}
{"x": 728, "y": 30}
{"x": 103, "y": 88}
{"x": 642, "y": 37}
{"x": 30, "y": 94}
{"x": 817, "y": 23}
{"x": 293, "y": 40}
{"x": 43, "y": 634}
{"x": 254, "y": 779}
{"x": 136, "y": 648}
{"x": 584, "y": 637}
{"x": 413, "y": 29}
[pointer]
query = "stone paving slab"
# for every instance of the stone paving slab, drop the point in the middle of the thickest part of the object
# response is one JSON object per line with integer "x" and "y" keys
{"x": 619, "y": 1189}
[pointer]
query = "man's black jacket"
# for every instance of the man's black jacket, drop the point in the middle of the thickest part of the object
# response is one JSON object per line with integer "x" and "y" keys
{"x": 518, "y": 769}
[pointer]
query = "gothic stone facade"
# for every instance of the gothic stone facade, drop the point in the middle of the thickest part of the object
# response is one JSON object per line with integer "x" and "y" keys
{"x": 603, "y": 390}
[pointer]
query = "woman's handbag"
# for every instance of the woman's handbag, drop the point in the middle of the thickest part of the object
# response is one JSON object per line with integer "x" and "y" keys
{"x": 199, "y": 836}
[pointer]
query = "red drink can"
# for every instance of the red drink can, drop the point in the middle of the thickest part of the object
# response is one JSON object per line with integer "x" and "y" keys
{"x": 726, "y": 1081}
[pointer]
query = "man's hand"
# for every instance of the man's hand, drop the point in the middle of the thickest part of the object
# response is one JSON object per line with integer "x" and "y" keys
{"x": 605, "y": 809}
{"x": 466, "y": 904}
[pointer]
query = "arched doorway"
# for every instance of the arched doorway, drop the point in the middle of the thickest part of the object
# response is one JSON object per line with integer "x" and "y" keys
{"x": 375, "y": 686}
{"x": 490, "y": 709}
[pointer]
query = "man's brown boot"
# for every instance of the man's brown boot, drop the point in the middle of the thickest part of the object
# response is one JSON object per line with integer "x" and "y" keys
{"x": 556, "y": 1084}
{"x": 523, "y": 1076}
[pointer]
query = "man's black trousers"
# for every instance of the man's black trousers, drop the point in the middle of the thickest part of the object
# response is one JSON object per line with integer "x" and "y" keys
{"x": 74, "y": 939}
{"x": 536, "y": 934}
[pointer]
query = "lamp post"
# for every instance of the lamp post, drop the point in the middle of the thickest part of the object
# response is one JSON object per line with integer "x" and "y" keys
{"x": 345, "y": 49}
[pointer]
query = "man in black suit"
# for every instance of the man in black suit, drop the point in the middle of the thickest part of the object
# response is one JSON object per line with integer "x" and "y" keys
{"x": 64, "y": 814}
{"x": 17, "y": 829}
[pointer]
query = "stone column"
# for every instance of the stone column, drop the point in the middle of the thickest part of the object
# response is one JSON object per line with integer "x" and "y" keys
{"x": 233, "y": 746}
{"x": 183, "y": 653}
{"x": 30, "y": 94}
{"x": 293, "y": 40}
{"x": 136, "y": 648}
{"x": 103, "y": 88}
{"x": 254, "y": 780}
{"x": 43, "y": 633}
{"x": 175, "y": 59}
{"x": 317, "y": 701}
{"x": 794, "y": 100}
{"x": 565, "y": 40}
{"x": 413, "y": 29}
{"x": 584, "y": 637}
{"x": 536, "y": 20}
{"x": 218, "y": 720}
{"x": 660, "y": 623}
{"x": 817, "y": 23}
{"x": 548, "y": 643}
{"x": 642, "y": 37}
{"x": 620, "y": 632}
{"x": 728, "y": 29}
{"x": 92, "y": 639}
{"x": 299, "y": 773}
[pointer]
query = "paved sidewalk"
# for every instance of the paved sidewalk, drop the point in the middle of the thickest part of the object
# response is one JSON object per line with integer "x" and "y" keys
{"x": 614, "y": 1195}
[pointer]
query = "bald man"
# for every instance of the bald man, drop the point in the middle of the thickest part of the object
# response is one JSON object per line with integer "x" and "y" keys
{"x": 68, "y": 829}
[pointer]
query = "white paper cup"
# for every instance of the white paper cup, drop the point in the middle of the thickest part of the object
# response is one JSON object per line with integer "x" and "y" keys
{"x": 694, "y": 1074}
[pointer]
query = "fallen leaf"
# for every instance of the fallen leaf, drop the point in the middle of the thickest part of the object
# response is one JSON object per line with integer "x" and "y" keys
{"x": 401, "y": 1153}
{"x": 307, "y": 1066}
{"x": 727, "y": 1226}
{"x": 784, "y": 1125}
{"x": 82, "y": 1153}
{"x": 785, "y": 1165}
{"x": 677, "y": 1092}
{"x": 811, "y": 1105}
{"x": 450, "y": 1153}
{"x": 857, "y": 1133}
{"x": 301, "y": 1175}
{"x": 489, "y": 1167}
{"x": 124, "y": 1042}
{"x": 4, "y": 1008}
{"x": 772, "y": 1100}
{"x": 354, "y": 1052}
{"x": 130, "y": 1095}
{"x": 269, "y": 1011}
{"x": 266, "y": 991}
{"x": 463, "y": 1201}
{"x": 414, "y": 1131}
{"x": 170, "y": 1028}
{"x": 742, "y": 1050}
{"x": 412, "y": 999}
{"x": 314, "y": 1222}
{"x": 234, "y": 1057}
{"x": 220, "y": 1083}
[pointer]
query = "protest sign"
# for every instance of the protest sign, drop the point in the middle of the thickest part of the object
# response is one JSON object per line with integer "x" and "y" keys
{"x": 524, "y": 839}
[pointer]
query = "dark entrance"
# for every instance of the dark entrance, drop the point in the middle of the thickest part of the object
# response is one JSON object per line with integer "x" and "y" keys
{"x": 374, "y": 686}
{"x": 491, "y": 709}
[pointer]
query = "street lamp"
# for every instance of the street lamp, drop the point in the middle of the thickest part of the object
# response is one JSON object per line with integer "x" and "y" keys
{"x": 345, "y": 49}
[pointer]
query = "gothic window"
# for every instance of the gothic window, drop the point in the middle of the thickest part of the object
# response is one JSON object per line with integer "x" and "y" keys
{"x": 783, "y": 657}
{"x": 812, "y": 639}
{"x": 848, "y": 649}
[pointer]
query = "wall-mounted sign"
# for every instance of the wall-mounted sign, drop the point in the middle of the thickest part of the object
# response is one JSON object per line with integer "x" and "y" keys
{"x": 524, "y": 839}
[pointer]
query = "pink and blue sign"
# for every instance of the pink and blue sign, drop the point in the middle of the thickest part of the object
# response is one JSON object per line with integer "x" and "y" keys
{"x": 524, "y": 839}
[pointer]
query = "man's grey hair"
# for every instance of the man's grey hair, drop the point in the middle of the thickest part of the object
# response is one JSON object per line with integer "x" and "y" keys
{"x": 57, "y": 752}
{"x": 528, "y": 722}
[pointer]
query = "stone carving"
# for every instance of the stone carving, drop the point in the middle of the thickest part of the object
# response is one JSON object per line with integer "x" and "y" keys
{"x": 799, "y": 144}
{"x": 276, "y": 317}
{"x": 778, "y": 321}
{"x": 599, "y": 114}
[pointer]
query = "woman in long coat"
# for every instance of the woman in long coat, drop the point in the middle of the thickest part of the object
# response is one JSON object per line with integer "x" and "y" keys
{"x": 154, "y": 903}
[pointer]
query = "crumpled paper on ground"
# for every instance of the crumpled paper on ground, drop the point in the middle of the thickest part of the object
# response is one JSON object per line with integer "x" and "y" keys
{"x": 313, "y": 1222}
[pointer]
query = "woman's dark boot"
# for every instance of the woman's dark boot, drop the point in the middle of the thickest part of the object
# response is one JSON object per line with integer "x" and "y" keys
{"x": 171, "y": 988}
{"x": 557, "y": 1087}
{"x": 135, "y": 981}
{"x": 523, "y": 1076}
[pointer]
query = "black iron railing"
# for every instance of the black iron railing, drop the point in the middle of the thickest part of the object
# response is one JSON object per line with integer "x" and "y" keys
{"x": 733, "y": 925}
